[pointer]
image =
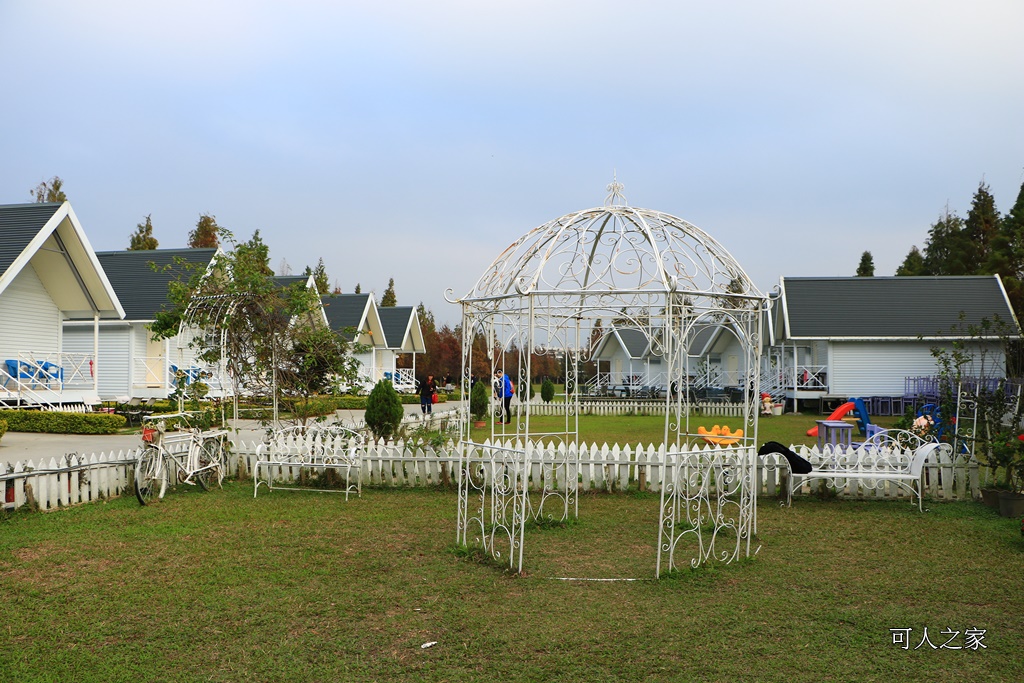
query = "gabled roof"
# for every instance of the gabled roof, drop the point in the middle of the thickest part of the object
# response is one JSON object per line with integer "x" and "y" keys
{"x": 401, "y": 326}
{"x": 632, "y": 340}
{"x": 889, "y": 307}
{"x": 141, "y": 278}
{"x": 49, "y": 237}
{"x": 355, "y": 311}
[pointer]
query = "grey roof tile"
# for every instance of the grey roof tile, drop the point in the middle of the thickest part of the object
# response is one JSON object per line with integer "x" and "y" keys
{"x": 881, "y": 307}
{"x": 140, "y": 278}
{"x": 19, "y": 224}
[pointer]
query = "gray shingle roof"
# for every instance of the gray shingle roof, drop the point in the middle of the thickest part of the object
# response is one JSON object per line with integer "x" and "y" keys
{"x": 344, "y": 311}
{"x": 395, "y": 321}
{"x": 141, "y": 288}
{"x": 19, "y": 224}
{"x": 889, "y": 307}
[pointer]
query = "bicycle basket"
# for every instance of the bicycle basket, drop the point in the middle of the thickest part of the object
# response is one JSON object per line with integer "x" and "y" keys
{"x": 148, "y": 433}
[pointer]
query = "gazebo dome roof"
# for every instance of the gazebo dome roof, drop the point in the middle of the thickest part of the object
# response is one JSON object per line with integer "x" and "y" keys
{"x": 614, "y": 248}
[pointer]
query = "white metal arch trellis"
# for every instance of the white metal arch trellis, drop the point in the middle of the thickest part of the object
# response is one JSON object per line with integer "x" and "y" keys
{"x": 559, "y": 289}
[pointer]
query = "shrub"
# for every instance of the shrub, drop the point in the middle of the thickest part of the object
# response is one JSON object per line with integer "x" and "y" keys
{"x": 62, "y": 423}
{"x": 383, "y": 410}
{"x": 547, "y": 391}
{"x": 3, "y": 428}
{"x": 478, "y": 401}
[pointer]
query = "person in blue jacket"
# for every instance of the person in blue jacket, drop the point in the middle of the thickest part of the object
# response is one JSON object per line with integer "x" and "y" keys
{"x": 505, "y": 390}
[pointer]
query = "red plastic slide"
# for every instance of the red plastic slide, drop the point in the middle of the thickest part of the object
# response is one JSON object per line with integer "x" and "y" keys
{"x": 837, "y": 414}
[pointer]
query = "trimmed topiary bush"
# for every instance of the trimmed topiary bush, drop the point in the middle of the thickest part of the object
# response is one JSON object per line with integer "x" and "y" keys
{"x": 547, "y": 391}
{"x": 478, "y": 401}
{"x": 62, "y": 423}
{"x": 384, "y": 410}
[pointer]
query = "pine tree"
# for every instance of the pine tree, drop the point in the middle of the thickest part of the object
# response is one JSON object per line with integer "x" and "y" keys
{"x": 1007, "y": 256}
{"x": 207, "y": 233}
{"x": 384, "y": 410}
{"x": 142, "y": 239}
{"x": 359, "y": 288}
{"x": 49, "y": 191}
{"x": 981, "y": 228}
{"x": 913, "y": 264}
{"x": 947, "y": 249}
{"x": 389, "y": 298}
{"x": 867, "y": 265}
{"x": 323, "y": 283}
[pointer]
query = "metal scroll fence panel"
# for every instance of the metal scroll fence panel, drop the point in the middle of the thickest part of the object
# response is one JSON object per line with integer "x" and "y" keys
{"x": 74, "y": 479}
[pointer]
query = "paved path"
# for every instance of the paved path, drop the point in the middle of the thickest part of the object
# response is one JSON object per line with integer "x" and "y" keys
{"x": 25, "y": 446}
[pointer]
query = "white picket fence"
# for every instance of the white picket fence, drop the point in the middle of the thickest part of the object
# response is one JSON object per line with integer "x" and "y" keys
{"x": 620, "y": 406}
{"x": 74, "y": 479}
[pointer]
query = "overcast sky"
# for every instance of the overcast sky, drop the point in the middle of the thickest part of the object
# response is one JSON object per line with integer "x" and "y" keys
{"x": 416, "y": 140}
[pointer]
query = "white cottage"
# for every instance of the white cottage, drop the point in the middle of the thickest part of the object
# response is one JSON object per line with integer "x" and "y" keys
{"x": 137, "y": 366}
{"x": 403, "y": 335}
{"x": 356, "y": 319}
{"x": 864, "y": 336}
{"x": 49, "y": 273}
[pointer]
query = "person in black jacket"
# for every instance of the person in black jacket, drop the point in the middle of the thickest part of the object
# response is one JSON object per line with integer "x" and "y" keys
{"x": 428, "y": 388}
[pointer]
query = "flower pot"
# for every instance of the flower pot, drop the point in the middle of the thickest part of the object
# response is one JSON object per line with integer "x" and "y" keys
{"x": 777, "y": 409}
{"x": 990, "y": 497}
{"x": 480, "y": 424}
{"x": 1011, "y": 504}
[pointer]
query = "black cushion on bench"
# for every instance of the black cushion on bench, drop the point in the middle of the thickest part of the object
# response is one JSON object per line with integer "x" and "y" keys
{"x": 797, "y": 464}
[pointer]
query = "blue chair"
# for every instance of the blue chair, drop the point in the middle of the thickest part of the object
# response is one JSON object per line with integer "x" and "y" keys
{"x": 51, "y": 373}
{"x": 19, "y": 370}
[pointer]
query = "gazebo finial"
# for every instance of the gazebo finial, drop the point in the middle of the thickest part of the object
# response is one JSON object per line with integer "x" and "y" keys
{"x": 615, "y": 196}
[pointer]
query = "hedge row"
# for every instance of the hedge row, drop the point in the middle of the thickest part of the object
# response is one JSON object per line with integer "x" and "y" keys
{"x": 62, "y": 423}
{"x": 3, "y": 428}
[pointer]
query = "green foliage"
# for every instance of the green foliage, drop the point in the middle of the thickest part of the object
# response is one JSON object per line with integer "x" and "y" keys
{"x": 479, "y": 401}
{"x": 947, "y": 249}
{"x": 547, "y": 391}
{"x": 51, "y": 190}
{"x": 62, "y": 423}
{"x": 272, "y": 338}
{"x": 320, "y": 278}
{"x": 993, "y": 431}
{"x": 3, "y": 428}
{"x": 913, "y": 264}
{"x": 383, "y": 410}
{"x": 206, "y": 233}
{"x": 867, "y": 265}
{"x": 389, "y": 298}
{"x": 142, "y": 239}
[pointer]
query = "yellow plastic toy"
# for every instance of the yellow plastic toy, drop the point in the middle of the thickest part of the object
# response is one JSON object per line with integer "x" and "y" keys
{"x": 720, "y": 436}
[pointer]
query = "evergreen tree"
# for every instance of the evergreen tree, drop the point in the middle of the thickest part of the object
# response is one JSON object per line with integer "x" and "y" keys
{"x": 49, "y": 191}
{"x": 384, "y": 410}
{"x": 981, "y": 228}
{"x": 1008, "y": 259}
{"x": 913, "y": 264}
{"x": 947, "y": 249}
{"x": 389, "y": 298}
{"x": 207, "y": 233}
{"x": 867, "y": 265}
{"x": 142, "y": 239}
{"x": 323, "y": 283}
{"x": 359, "y": 288}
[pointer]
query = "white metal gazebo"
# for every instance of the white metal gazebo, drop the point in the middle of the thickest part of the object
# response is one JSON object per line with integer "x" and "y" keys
{"x": 559, "y": 289}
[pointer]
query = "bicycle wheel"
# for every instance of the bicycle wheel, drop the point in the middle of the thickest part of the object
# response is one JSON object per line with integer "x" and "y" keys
{"x": 211, "y": 464}
{"x": 150, "y": 476}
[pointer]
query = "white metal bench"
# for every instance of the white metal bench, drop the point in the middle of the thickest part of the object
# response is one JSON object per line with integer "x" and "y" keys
{"x": 882, "y": 458}
{"x": 320, "y": 448}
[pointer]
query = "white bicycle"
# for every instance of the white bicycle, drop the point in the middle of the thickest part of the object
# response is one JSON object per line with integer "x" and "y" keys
{"x": 191, "y": 455}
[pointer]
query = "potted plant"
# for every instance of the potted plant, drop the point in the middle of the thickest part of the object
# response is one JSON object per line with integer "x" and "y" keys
{"x": 1007, "y": 455}
{"x": 479, "y": 404}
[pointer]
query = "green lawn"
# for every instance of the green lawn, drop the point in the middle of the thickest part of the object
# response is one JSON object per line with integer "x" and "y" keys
{"x": 308, "y": 587}
{"x": 648, "y": 429}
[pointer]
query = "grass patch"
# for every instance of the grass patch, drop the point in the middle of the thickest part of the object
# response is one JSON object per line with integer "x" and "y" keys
{"x": 306, "y": 587}
{"x": 650, "y": 429}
